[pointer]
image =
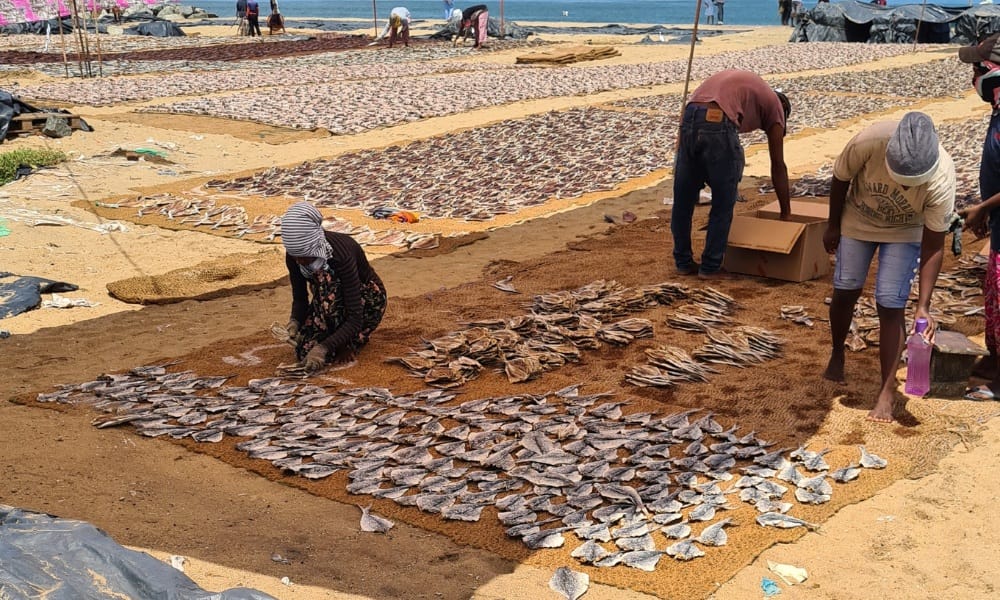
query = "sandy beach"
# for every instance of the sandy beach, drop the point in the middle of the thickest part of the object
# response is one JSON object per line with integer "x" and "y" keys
{"x": 591, "y": 139}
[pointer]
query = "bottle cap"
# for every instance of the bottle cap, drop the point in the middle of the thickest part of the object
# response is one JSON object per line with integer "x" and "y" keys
{"x": 921, "y": 325}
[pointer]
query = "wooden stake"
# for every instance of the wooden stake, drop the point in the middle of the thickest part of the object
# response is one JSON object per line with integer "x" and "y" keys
{"x": 97, "y": 37}
{"x": 62, "y": 41}
{"x": 375, "y": 18}
{"x": 79, "y": 38}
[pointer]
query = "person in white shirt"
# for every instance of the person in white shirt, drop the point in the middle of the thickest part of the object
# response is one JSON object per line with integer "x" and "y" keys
{"x": 398, "y": 27}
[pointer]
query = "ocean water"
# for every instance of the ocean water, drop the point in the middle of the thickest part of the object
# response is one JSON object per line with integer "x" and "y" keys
{"x": 737, "y": 12}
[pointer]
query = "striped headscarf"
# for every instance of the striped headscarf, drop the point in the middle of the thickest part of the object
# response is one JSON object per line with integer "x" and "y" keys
{"x": 302, "y": 232}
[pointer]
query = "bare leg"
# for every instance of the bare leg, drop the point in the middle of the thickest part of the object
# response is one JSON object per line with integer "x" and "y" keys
{"x": 841, "y": 315}
{"x": 891, "y": 339}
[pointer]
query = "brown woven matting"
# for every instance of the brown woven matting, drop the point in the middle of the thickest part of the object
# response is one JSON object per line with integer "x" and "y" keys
{"x": 784, "y": 400}
{"x": 233, "y": 274}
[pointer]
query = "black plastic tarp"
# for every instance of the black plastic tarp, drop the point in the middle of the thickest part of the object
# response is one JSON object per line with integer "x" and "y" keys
{"x": 976, "y": 24}
{"x": 42, "y": 556}
{"x": 38, "y": 27}
{"x": 865, "y": 22}
{"x": 156, "y": 29}
{"x": 20, "y": 294}
{"x": 511, "y": 30}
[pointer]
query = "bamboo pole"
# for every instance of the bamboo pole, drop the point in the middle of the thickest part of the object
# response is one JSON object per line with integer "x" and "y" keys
{"x": 79, "y": 38}
{"x": 375, "y": 18}
{"x": 501, "y": 21}
{"x": 694, "y": 38}
{"x": 86, "y": 42}
{"x": 97, "y": 37}
{"x": 916, "y": 33}
{"x": 62, "y": 41}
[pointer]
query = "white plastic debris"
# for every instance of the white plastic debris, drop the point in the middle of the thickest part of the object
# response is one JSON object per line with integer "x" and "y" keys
{"x": 788, "y": 573}
{"x": 177, "y": 562}
{"x": 58, "y": 301}
{"x": 286, "y": 581}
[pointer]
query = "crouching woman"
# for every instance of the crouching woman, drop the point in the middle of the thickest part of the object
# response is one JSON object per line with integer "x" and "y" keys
{"x": 337, "y": 298}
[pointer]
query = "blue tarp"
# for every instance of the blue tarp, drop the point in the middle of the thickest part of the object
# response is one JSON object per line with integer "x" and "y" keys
{"x": 42, "y": 556}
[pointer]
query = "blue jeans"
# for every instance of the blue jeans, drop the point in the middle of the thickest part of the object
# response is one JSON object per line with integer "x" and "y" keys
{"x": 708, "y": 153}
{"x": 897, "y": 265}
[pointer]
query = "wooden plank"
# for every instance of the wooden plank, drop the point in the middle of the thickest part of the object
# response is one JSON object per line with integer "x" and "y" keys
{"x": 42, "y": 115}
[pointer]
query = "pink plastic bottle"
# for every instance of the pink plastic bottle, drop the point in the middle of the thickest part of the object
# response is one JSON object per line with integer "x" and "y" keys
{"x": 918, "y": 361}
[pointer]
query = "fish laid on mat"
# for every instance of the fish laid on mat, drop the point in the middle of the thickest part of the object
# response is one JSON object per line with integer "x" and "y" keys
{"x": 571, "y": 584}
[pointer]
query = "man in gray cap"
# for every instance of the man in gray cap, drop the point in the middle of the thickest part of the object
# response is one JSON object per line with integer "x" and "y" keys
{"x": 893, "y": 191}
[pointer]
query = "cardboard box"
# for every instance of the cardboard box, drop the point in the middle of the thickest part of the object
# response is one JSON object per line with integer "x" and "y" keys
{"x": 761, "y": 244}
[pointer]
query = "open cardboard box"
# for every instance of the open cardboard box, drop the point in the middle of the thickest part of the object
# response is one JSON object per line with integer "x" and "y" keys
{"x": 761, "y": 244}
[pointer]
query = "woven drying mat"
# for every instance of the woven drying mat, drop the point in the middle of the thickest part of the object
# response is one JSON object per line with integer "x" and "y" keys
{"x": 568, "y": 55}
{"x": 233, "y": 274}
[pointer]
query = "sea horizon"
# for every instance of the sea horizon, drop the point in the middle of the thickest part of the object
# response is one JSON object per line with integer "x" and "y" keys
{"x": 665, "y": 12}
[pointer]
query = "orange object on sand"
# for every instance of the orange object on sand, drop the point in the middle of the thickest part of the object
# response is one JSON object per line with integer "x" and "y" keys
{"x": 404, "y": 216}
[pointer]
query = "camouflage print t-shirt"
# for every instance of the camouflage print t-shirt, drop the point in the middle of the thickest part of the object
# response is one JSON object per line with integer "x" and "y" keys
{"x": 880, "y": 210}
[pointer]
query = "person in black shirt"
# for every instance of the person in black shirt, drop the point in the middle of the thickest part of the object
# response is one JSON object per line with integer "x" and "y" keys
{"x": 337, "y": 298}
{"x": 474, "y": 20}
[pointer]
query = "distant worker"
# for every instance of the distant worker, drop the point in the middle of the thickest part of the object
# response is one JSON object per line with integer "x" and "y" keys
{"x": 253, "y": 18}
{"x": 337, "y": 298}
{"x": 720, "y": 11}
{"x": 785, "y": 11}
{"x": 893, "y": 191}
{"x": 449, "y": 5}
{"x": 724, "y": 105}
{"x": 111, "y": 6}
{"x": 275, "y": 22}
{"x": 475, "y": 20}
{"x": 708, "y": 11}
{"x": 398, "y": 27}
{"x": 241, "y": 17}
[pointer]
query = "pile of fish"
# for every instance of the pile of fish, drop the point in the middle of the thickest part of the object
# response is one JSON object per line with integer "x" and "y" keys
{"x": 796, "y": 313}
{"x": 232, "y": 220}
{"x": 366, "y": 105}
{"x": 668, "y": 365}
{"x": 558, "y": 327}
{"x": 743, "y": 346}
{"x": 519, "y": 164}
{"x": 631, "y": 487}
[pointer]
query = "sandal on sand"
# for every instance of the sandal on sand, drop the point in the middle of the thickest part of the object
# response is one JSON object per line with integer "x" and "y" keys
{"x": 980, "y": 393}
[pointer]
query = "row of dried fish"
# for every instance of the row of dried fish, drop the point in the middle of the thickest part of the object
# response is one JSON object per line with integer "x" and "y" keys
{"x": 366, "y": 105}
{"x": 520, "y": 163}
{"x": 105, "y": 91}
{"x": 199, "y": 60}
{"x": 558, "y": 327}
{"x": 945, "y": 78}
{"x": 232, "y": 219}
{"x": 599, "y": 472}
{"x": 809, "y": 110}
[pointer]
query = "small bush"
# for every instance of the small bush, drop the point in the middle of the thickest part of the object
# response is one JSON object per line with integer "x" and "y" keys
{"x": 10, "y": 161}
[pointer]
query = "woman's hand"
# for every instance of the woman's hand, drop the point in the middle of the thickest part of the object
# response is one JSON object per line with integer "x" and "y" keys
{"x": 315, "y": 359}
{"x": 292, "y": 328}
{"x": 975, "y": 220}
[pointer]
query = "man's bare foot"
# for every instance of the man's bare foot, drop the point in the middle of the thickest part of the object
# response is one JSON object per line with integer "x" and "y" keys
{"x": 835, "y": 369}
{"x": 882, "y": 413}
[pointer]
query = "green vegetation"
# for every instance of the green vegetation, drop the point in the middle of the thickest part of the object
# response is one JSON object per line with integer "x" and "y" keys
{"x": 10, "y": 161}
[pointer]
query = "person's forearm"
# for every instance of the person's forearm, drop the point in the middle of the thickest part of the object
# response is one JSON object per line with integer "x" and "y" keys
{"x": 838, "y": 195}
{"x": 779, "y": 178}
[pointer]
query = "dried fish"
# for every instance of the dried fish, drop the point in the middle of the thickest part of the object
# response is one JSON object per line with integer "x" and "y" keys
{"x": 570, "y": 584}
{"x": 374, "y": 523}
